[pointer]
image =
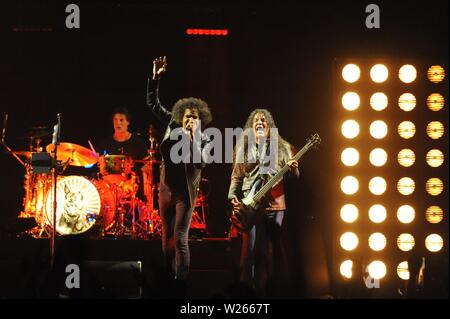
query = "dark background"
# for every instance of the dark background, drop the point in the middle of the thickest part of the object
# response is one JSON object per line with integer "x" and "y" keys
{"x": 277, "y": 55}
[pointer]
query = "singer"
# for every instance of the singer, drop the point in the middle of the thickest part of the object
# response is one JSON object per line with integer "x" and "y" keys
{"x": 178, "y": 182}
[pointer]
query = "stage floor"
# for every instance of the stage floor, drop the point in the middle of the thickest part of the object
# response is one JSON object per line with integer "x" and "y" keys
{"x": 25, "y": 268}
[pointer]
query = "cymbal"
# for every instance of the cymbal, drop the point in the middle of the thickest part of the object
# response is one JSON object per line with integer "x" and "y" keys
{"x": 38, "y": 131}
{"x": 74, "y": 154}
{"x": 32, "y": 136}
{"x": 27, "y": 154}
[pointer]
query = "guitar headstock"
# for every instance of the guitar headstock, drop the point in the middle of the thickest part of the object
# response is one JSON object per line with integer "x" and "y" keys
{"x": 314, "y": 140}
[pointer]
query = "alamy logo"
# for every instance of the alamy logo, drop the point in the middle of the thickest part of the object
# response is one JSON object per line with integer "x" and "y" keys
{"x": 209, "y": 146}
{"x": 73, "y": 279}
{"x": 369, "y": 281}
{"x": 373, "y": 19}
{"x": 73, "y": 19}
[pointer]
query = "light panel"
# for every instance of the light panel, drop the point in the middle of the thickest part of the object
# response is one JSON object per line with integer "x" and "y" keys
{"x": 377, "y": 213}
{"x": 405, "y": 242}
{"x": 436, "y": 74}
{"x": 434, "y": 242}
{"x": 406, "y": 214}
{"x": 379, "y": 73}
{"x": 379, "y": 101}
{"x": 434, "y": 214}
{"x": 435, "y": 102}
{"x": 407, "y": 102}
{"x": 351, "y": 73}
{"x": 406, "y": 129}
{"x": 406, "y": 157}
{"x": 407, "y": 73}
{"x": 377, "y": 185}
{"x": 350, "y": 129}
{"x": 406, "y": 186}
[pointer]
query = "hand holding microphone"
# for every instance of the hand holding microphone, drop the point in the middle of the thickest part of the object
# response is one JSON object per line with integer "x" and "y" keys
{"x": 191, "y": 127}
{"x": 189, "y": 130}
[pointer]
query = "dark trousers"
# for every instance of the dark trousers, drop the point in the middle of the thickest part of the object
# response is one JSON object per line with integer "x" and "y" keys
{"x": 263, "y": 259}
{"x": 176, "y": 215}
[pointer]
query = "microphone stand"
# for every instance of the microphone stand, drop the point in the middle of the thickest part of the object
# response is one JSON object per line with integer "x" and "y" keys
{"x": 56, "y": 139}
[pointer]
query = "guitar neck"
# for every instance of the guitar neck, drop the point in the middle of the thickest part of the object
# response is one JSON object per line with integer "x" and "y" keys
{"x": 279, "y": 175}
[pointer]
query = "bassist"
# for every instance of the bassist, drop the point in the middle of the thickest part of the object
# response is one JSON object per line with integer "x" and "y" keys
{"x": 263, "y": 257}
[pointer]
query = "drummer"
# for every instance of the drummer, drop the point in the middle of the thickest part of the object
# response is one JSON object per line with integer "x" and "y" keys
{"x": 123, "y": 142}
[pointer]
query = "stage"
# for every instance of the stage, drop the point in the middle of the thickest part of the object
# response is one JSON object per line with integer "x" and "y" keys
{"x": 92, "y": 90}
{"x": 25, "y": 271}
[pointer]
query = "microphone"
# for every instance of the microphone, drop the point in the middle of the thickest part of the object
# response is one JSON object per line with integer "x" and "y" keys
{"x": 5, "y": 122}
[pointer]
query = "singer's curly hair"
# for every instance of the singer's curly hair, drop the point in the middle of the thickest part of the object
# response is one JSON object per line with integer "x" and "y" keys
{"x": 194, "y": 104}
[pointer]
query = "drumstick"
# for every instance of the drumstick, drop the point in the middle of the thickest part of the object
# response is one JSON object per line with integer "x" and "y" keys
{"x": 92, "y": 147}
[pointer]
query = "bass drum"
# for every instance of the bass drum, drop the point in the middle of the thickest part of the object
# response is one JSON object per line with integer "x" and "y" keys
{"x": 108, "y": 204}
{"x": 78, "y": 205}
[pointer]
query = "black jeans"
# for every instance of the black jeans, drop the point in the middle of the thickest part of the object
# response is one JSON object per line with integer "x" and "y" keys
{"x": 263, "y": 258}
{"x": 176, "y": 215}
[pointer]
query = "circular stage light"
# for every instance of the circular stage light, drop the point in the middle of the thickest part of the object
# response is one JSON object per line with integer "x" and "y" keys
{"x": 377, "y": 213}
{"x": 378, "y": 101}
{"x": 349, "y": 241}
{"x": 346, "y": 269}
{"x": 378, "y": 129}
{"x": 351, "y": 101}
{"x": 434, "y": 214}
{"x": 436, "y": 73}
{"x": 377, "y": 241}
{"x": 377, "y": 185}
{"x": 378, "y": 157}
{"x": 407, "y": 102}
{"x": 377, "y": 269}
{"x": 350, "y": 156}
{"x": 406, "y": 157}
{"x": 379, "y": 73}
{"x": 406, "y": 129}
{"x": 435, "y": 102}
{"x": 435, "y": 158}
{"x": 403, "y": 270}
{"x": 435, "y": 130}
{"x": 434, "y": 243}
{"x": 407, "y": 73}
{"x": 350, "y": 129}
{"x": 434, "y": 186}
{"x": 349, "y": 213}
{"x": 351, "y": 73}
{"x": 349, "y": 185}
{"x": 405, "y": 242}
{"x": 406, "y": 186}
{"x": 406, "y": 214}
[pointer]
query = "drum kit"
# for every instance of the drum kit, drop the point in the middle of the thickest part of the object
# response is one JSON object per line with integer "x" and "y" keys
{"x": 105, "y": 206}
{"x": 117, "y": 202}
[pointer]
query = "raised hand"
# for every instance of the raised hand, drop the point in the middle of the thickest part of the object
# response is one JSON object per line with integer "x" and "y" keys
{"x": 159, "y": 66}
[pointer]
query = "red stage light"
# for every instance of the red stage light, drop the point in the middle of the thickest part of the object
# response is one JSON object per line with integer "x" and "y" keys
{"x": 210, "y": 32}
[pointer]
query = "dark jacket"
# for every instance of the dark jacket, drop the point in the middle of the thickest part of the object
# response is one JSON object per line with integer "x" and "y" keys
{"x": 192, "y": 172}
